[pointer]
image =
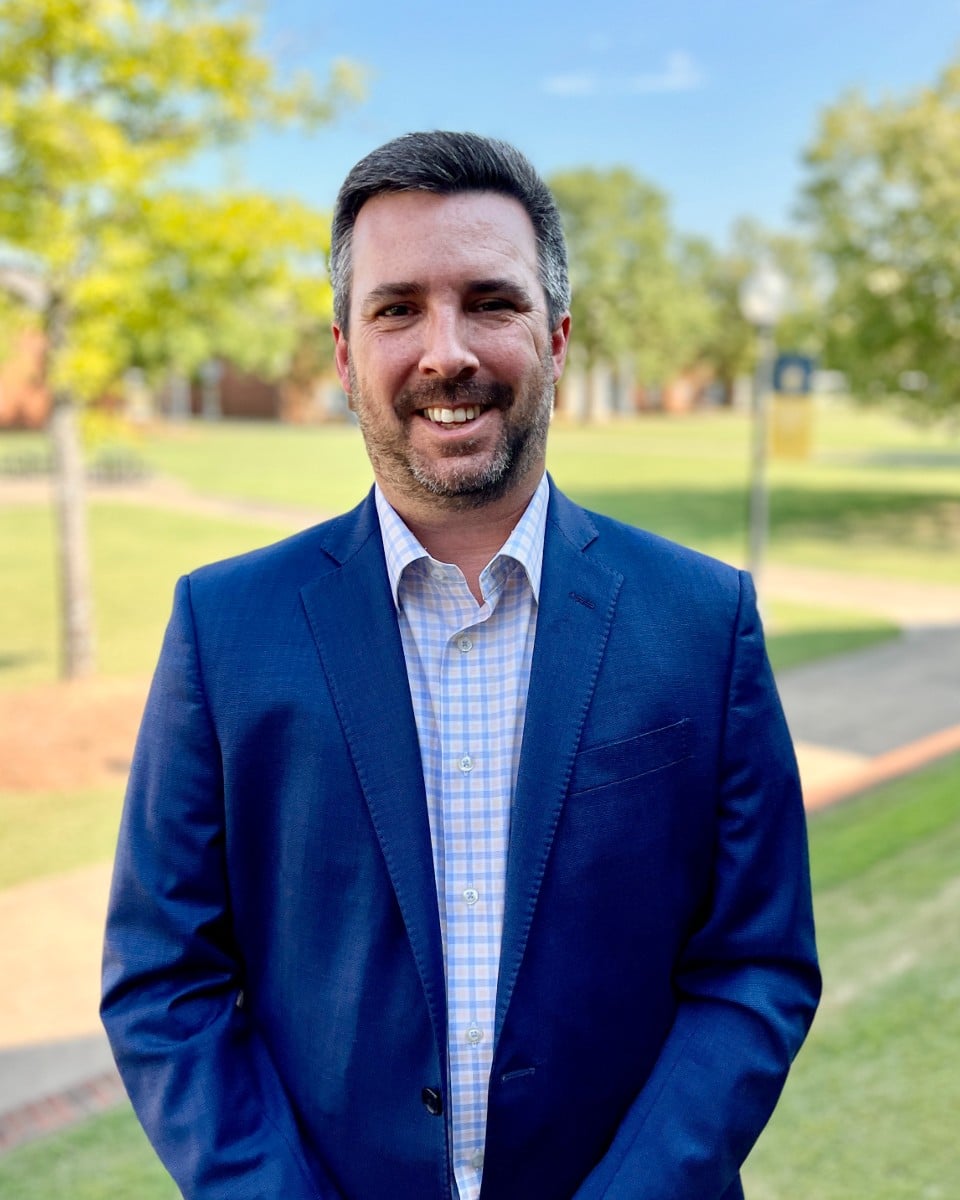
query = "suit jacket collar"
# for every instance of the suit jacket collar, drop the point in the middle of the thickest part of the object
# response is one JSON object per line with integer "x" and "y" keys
{"x": 577, "y": 599}
{"x": 354, "y": 624}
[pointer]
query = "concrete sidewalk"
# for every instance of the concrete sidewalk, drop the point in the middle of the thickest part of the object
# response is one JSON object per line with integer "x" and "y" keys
{"x": 857, "y": 720}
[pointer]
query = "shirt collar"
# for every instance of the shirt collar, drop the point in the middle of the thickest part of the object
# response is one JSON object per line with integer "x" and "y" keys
{"x": 524, "y": 545}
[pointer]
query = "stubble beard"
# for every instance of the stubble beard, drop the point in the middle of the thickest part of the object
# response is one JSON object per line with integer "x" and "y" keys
{"x": 453, "y": 481}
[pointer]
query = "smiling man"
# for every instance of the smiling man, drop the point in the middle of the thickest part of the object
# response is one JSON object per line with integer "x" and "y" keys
{"x": 450, "y": 356}
{"x": 463, "y": 853}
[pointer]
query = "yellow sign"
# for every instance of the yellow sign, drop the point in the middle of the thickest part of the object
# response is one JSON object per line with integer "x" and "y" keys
{"x": 791, "y": 426}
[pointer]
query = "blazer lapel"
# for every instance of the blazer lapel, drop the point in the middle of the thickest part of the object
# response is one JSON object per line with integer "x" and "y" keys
{"x": 352, "y": 617}
{"x": 577, "y": 600}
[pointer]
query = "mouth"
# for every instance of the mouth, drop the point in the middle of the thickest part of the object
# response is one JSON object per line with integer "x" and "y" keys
{"x": 447, "y": 417}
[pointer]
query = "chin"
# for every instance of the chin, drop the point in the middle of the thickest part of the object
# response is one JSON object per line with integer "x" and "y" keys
{"x": 469, "y": 488}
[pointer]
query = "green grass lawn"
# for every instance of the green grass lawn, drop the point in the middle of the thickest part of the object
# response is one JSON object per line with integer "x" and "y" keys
{"x": 879, "y": 496}
{"x": 138, "y": 553}
{"x": 105, "y": 1158}
{"x": 801, "y": 633}
{"x": 44, "y": 833}
{"x": 868, "y": 1112}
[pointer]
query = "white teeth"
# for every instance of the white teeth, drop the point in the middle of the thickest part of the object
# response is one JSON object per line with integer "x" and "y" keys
{"x": 452, "y": 416}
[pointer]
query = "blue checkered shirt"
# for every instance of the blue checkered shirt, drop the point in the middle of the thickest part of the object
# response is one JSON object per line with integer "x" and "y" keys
{"x": 469, "y": 669}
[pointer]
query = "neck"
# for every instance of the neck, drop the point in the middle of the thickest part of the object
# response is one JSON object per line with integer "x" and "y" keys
{"x": 469, "y": 537}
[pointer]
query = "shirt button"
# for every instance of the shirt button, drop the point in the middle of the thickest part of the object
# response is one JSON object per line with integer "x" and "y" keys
{"x": 476, "y": 1160}
{"x": 471, "y": 895}
{"x": 474, "y": 1035}
{"x": 466, "y": 764}
{"x": 464, "y": 644}
{"x": 438, "y": 573}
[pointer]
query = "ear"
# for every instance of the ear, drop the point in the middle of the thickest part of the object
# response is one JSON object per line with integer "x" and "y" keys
{"x": 559, "y": 342}
{"x": 341, "y": 356}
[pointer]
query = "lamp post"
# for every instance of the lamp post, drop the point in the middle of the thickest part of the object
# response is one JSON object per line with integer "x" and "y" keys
{"x": 763, "y": 297}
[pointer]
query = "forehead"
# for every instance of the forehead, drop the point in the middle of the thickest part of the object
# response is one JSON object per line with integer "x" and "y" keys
{"x": 419, "y": 236}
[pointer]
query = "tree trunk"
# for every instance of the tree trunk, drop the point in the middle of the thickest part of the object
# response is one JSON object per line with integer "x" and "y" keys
{"x": 73, "y": 550}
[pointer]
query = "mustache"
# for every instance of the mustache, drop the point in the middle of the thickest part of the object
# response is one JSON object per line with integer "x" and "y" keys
{"x": 450, "y": 392}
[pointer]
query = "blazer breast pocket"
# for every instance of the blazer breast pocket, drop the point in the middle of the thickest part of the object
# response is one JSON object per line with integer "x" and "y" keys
{"x": 632, "y": 758}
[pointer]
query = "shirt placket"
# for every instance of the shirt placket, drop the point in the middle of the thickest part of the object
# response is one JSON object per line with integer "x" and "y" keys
{"x": 474, "y": 850}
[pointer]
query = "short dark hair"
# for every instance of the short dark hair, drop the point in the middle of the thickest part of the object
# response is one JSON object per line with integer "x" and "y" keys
{"x": 444, "y": 162}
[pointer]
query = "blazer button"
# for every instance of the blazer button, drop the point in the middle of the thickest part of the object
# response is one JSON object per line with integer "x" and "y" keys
{"x": 432, "y": 1101}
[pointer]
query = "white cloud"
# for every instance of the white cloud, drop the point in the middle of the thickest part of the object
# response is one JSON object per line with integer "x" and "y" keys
{"x": 679, "y": 73}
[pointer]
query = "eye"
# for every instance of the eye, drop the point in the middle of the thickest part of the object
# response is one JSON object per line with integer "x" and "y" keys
{"x": 494, "y": 304}
{"x": 396, "y": 310}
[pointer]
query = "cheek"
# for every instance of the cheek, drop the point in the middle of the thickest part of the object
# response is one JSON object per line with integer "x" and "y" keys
{"x": 513, "y": 356}
{"x": 384, "y": 365}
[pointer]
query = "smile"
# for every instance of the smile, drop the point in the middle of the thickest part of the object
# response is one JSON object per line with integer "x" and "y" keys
{"x": 453, "y": 416}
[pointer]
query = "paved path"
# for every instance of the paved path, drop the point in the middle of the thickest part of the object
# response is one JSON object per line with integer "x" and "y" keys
{"x": 857, "y": 720}
{"x": 874, "y": 714}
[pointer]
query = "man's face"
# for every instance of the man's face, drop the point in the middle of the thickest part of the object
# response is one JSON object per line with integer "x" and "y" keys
{"x": 450, "y": 364}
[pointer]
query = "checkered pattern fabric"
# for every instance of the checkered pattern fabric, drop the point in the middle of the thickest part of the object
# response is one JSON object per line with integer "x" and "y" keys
{"x": 469, "y": 669}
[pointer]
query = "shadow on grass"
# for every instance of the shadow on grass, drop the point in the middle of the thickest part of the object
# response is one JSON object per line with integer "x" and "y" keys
{"x": 704, "y": 516}
{"x": 905, "y": 460}
{"x": 11, "y": 660}
{"x": 792, "y": 649}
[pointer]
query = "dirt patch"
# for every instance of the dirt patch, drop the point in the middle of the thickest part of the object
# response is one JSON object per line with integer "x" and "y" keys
{"x": 69, "y": 735}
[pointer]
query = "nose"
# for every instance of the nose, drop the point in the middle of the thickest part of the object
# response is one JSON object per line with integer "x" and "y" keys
{"x": 446, "y": 351}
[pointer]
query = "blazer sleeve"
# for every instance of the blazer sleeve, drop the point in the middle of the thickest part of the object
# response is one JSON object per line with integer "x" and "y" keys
{"x": 200, "y": 1078}
{"x": 747, "y": 983}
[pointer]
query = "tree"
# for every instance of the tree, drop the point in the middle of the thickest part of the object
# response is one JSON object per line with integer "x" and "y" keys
{"x": 883, "y": 199}
{"x": 100, "y": 100}
{"x": 238, "y": 276}
{"x": 630, "y": 299}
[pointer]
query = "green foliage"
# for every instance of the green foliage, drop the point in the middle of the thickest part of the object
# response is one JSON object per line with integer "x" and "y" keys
{"x": 239, "y": 277}
{"x": 15, "y": 319}
{"x": 728, "y": 343}
{"x": 630, "y": 300}
{"x": 99, "y": 102}
{"x": 883, "y": 198}
{"x": 663, "y": 303}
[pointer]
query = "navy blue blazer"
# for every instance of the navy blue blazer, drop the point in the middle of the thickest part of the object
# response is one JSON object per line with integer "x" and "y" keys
{"x": 273, "y": 975}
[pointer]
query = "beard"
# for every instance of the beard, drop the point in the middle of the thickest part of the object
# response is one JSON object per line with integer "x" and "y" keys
{"x": 459, "y": 478}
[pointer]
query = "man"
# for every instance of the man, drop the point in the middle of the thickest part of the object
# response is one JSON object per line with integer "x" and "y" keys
{"x": 463, "y": 853}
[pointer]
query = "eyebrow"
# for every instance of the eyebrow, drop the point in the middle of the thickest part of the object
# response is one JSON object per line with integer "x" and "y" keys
{"x": 500, "y": 285}
{"x": 390, "y": 291}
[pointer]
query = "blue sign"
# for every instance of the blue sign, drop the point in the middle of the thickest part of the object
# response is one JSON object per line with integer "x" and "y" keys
{"x": 793, "y": 374}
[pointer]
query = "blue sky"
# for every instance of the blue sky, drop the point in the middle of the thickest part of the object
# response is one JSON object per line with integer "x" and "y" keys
{"x": 712, "y": 101}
